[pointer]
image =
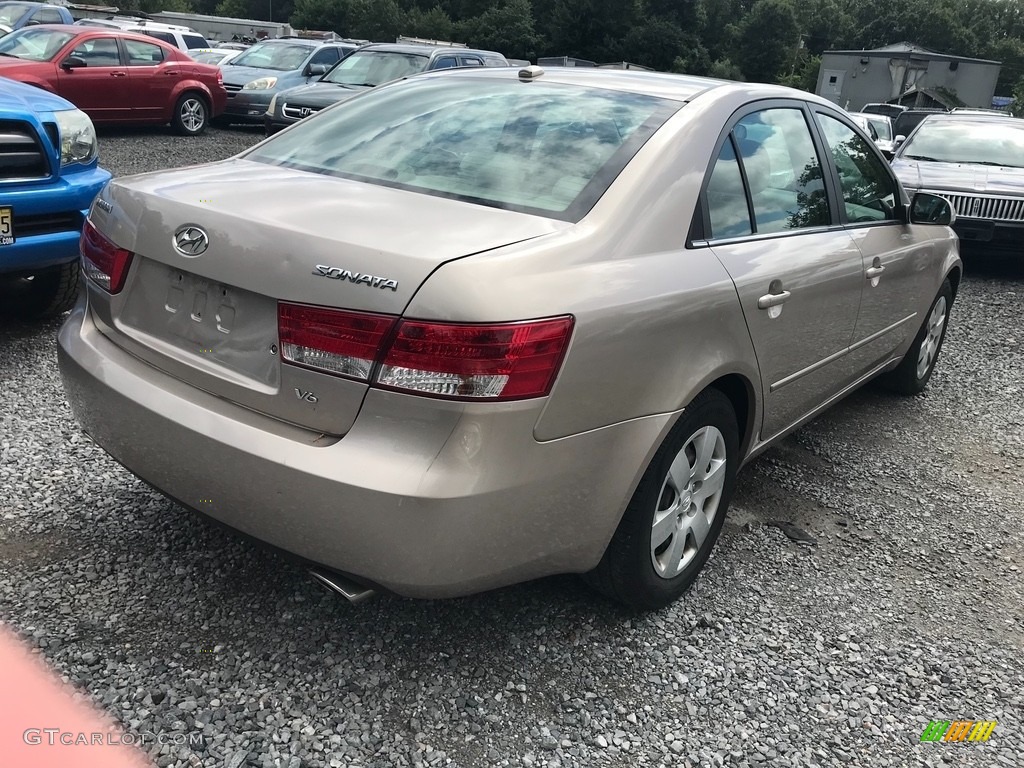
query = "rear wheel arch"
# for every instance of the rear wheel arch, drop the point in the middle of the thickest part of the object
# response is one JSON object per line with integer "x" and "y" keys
{"x": 740, "y": 392}
{"x": 954, "y": 277}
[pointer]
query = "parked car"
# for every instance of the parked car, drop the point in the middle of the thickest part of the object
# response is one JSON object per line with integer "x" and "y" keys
{"x": 181, "y": 37}
{"x": 115, "y": 76}
{"x": 368, "y": 67}
{"x": 908, "y": 121}
{"x": 892, "y": 111}
{"x": 879, "y": 128}
{"x": 15, "y": 15}
{"x": 480, "y": 326}
{"x": 215, "y": 56}
{"x": 976, "y": 161}
{"x": 49, "y": 177}
{"x": 253, "y": 78}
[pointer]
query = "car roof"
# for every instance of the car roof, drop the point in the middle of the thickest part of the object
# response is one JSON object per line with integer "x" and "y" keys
{"x": 974, "y": 117}
{"x": 84, "y": 29}
{"x": 660, "y": 84}
{"x": 423, "y": 50}
{"x": 871, "y": 116}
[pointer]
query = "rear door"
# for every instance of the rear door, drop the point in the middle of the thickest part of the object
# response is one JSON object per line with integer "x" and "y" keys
{"x": 152, "y": 77}
{"x": 771, "y": 221}
{"x": 898, "y": 258}
{"x": 101, "y": 88}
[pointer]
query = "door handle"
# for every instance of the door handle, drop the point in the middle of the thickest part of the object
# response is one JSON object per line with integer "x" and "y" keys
{"x": 770, "y": 300}
{"x": 118, "y": 74}
{"x": 170, "y": 71}
{"x": 872, "y": 272}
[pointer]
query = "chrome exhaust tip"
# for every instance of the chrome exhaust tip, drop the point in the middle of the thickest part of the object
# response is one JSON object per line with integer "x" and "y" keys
{"x": 344, "y": 586}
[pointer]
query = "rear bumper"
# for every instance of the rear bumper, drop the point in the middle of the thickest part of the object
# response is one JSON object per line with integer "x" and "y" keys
{"x": 65, "y": 201}
{"x": 425, "y": 500}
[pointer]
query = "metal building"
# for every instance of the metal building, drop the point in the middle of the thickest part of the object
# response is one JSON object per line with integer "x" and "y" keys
{"x": 907, "y": 74}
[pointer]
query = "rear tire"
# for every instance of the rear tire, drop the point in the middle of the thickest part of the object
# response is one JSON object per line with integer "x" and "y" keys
{"x": 915, "y": 370}
{"x": 191, "y": 115}
{"x": 45, "y": 294}
{"x": 677, "y": 512}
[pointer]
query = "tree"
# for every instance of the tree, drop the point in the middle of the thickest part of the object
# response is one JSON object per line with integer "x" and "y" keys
{"x": 769, "y": 40}
{"x": 507, "y": 28}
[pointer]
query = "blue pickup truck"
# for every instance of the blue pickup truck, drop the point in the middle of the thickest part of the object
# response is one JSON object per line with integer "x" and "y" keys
{"x": 49, "y": 176}
{"x": 16, "y": 14}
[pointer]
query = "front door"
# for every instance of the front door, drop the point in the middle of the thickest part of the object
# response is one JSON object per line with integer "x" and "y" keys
{"x": 100, "y": 88}
{"x": 797, "y": 272}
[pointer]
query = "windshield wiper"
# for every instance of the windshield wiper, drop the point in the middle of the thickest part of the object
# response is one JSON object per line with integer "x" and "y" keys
{"x": 2, "y": 53}
{"x": 991, "y": 162}
{"x": 925, "y": 158}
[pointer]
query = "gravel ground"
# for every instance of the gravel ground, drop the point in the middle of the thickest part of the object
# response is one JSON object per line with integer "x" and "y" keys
{"x": 909, "y": 608}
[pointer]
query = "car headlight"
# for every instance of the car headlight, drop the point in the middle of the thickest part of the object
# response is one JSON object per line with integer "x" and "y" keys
{"x": 260, "y": 84}
{"x": 77, "y": 137}
{"x": 273, "y": 104}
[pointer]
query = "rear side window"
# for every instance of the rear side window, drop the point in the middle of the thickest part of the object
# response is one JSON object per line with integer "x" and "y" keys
{"x": 47, "y": 16}
{"x": 727, "y": 198}
{"x": 784, "y": 175}
{"x": 548, "y": 148}
{"x": 167, "y": 37}
{"x": 194, "y": 41}
{"x": 470, "y": 61}
{"x": 143, "y": 54}
{"x": 445, "y": 62}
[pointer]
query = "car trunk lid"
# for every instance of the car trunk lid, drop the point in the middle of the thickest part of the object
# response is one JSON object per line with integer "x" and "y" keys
{"x": 275, "y": 235}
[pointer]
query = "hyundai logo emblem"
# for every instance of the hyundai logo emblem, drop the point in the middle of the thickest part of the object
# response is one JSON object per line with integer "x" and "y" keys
{"x": 191, "y": 241}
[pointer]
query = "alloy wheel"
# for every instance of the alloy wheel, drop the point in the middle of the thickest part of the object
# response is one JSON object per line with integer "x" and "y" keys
{"x": 193, "y": 114}
{"x": 932, "y": 338}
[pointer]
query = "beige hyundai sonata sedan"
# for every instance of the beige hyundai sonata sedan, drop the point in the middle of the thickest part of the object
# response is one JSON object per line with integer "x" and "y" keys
{"x": 478, "y": 327}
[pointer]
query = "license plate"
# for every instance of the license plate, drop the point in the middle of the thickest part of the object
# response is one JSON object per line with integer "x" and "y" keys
{"x": 6, "y": 225}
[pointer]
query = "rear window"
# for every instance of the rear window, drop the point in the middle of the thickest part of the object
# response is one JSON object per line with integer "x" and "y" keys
{"x": 535, "y": 147}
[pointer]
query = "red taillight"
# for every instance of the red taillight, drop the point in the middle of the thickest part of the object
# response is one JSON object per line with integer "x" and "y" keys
{"x": 104, "y": 263}
{"x": 505, "y": 361}
{"x": 500, "y": 361}
{"x": 346, "y": 343}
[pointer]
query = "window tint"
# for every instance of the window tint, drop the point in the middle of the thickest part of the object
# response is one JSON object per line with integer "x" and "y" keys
{"x": 167, "y": 37}
{"x": 143, "y": 54}
{"x": 869, "y": 193}
{"x": 445, "y": 62}
{"x": 727, "y": 199}
{"x": 326, "y": 56}
{"x": 783, "y": 172}
{"x": 47, "y": 16}
{"x": 98, "y": 52}
{"x": 194, "y": 41}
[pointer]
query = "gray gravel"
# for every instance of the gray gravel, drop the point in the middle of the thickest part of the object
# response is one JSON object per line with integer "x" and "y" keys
{"x": 909, "y": 608}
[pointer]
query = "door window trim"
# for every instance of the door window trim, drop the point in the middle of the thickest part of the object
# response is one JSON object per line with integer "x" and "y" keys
{"x": 700, "y": 229}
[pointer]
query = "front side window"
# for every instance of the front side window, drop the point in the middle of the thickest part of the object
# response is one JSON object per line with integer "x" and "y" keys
{"x": 98, "y": 52}
{"x": 47, "y": 16}
{"x": 445, "y": 62}
{"x": 541, "y": 148}
{"x": 143, "y": 54}
{"x": 326, "y": 56}
{"x": 869, "y": 192}
{"x": 784, "y": 175}
{"x": 34, "y": 44}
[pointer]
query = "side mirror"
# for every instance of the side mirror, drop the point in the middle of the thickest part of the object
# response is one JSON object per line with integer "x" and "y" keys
{"x": 926, "y": 208}
{"x": 315, "y": 69}
{"x": 898, "y": 141}
{"x": 72, "y": 62}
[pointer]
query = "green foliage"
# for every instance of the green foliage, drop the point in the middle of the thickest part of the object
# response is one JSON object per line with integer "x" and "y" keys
{"x": 507, "y": 28}
{"x": 770, "y": 40}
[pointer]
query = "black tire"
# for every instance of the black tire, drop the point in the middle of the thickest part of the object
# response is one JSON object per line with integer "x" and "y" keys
{"x": 913, "y": 373}
{"x": 42, "y": 295}
{"x": 191, "y": 114}
{"x": 628, "y": 572}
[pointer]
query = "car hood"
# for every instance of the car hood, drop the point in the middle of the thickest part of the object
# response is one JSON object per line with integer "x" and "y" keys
{"x": 18, "y": 98}
{"x": 270, "y": 227}
{"x": 234, "y": 75}
{"x": 319, "y": 95}
{"x": 960, "y": 177}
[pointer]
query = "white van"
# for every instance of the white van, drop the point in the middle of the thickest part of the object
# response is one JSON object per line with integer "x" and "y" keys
{"x": 183, "y": 38}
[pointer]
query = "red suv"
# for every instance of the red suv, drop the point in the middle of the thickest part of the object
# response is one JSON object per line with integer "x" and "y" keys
{"x": 114, "y": 76}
